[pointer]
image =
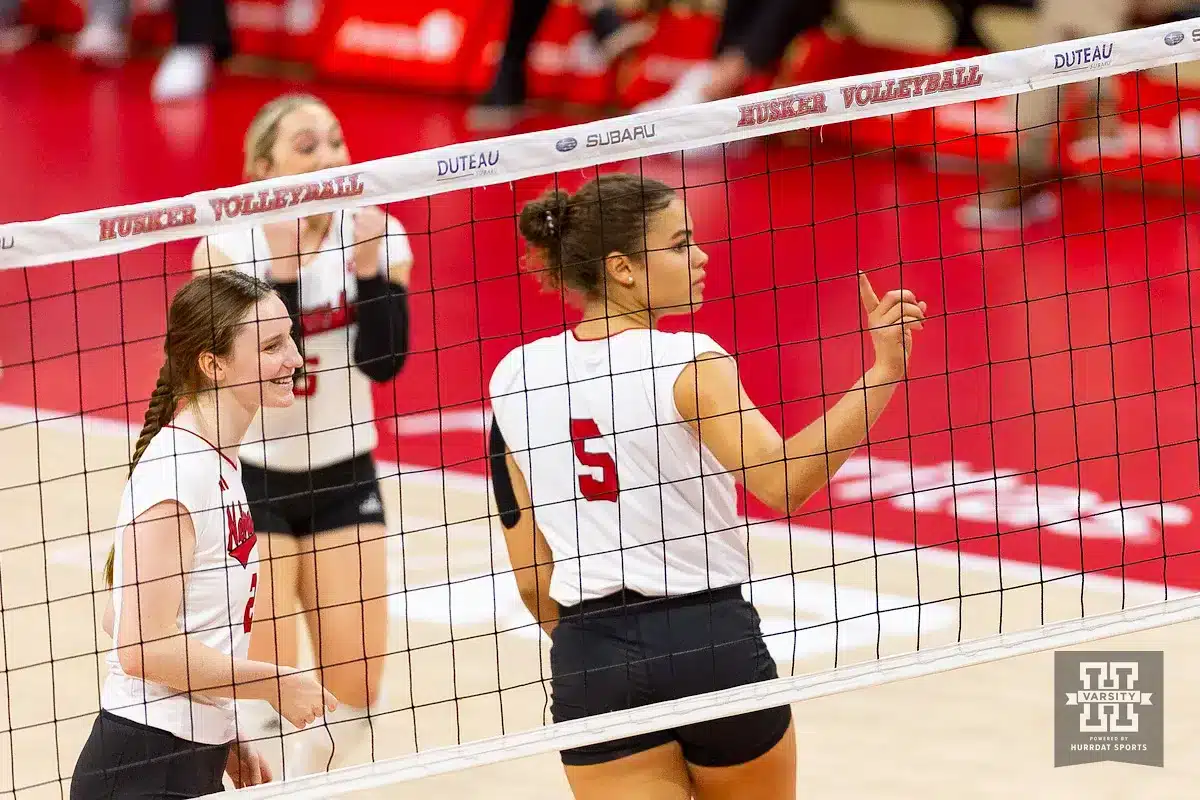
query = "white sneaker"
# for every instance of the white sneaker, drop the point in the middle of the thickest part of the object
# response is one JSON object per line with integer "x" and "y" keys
{"x": 102, "y": 44}
{"x": 1039, "y": 208}
{"x": 688, "y": 90}
{"x": 300, "y": 17}
{"x": 184, "y": 72}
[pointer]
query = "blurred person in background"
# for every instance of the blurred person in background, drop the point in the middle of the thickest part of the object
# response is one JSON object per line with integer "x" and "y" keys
{"x": 309, "y": 471}
{"x": 966, "y": 35}
{"x": 104, "y": 40}
{"x": 13, "y": 36}
{"x": 1020, "y": 192}
{"x": 203, "y": 40}
{"x": 754, "y": 36}
{"x": 504, "y": 103}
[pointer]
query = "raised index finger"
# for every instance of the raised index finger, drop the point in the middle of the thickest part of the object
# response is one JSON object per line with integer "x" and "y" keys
{"x": 869, "y": 299}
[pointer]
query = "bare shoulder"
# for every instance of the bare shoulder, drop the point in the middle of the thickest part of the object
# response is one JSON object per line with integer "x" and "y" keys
{"x": 710, "y": 380}
{"x": 164, "y": 509}
{"x": 709, "y": 365}
{"x": 719, "y": 360}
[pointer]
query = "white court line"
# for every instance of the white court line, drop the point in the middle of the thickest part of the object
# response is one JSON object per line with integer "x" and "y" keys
{"x": 862, "y": 544}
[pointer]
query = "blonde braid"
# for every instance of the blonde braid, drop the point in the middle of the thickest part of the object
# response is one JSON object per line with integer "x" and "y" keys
{"x": 160, "y": 412}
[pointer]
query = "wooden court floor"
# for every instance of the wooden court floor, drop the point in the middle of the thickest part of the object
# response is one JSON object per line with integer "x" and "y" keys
{"x": 983, "y": 731}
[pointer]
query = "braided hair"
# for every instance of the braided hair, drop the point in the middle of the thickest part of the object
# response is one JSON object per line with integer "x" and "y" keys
{"x": 204, "y": 318}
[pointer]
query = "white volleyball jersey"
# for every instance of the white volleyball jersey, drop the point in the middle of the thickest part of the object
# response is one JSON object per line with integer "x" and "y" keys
{"x": 623, "y": 491}
{"x": 333, "y": 418}
{"x": 218, "y": 592}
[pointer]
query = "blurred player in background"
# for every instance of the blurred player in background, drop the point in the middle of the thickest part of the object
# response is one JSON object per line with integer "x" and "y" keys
{"x": 203, "y": 40}
{"x": 755, "y": 34}
{"x": 504, "y": 103}
{"x": 966, "y": 33}
{"x": 1022, "y": 192}
{"x": 614, "y": 453}
{"x": 309, "y": 469}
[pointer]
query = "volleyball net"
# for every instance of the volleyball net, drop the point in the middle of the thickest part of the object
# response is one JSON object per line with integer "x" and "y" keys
{"x": 1032, "y": 486}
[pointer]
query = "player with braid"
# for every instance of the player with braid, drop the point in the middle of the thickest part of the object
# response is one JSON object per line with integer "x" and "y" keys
{"x": 184, "y": 565}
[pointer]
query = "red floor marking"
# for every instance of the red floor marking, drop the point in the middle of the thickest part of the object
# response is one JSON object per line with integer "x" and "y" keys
{"x": 1067, "y": 365}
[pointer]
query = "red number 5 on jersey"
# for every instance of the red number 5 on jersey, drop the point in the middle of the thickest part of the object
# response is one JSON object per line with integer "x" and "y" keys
{"x": 606, "y": 487}
{"x": 310, "y": 378}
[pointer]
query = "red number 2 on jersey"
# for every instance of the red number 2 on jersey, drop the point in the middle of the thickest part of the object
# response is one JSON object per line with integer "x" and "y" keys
{"x": 248, "y": 614}
{"x": 606, "y": 487}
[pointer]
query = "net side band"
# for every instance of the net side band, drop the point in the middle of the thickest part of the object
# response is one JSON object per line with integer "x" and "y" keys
{"x": 488, "y": 162}
{"x": 739, "y": 700}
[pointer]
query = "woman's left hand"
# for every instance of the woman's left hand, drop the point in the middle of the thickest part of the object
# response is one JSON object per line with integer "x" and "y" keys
{"x": 370, "y": 226}
{"x": 246, "y": 766}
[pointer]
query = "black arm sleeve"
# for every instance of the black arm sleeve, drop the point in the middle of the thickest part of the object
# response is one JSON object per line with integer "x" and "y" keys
{"x": 289, "y": 293}
{"x": 382, "y": 342}
{"x": 502, "y": 488}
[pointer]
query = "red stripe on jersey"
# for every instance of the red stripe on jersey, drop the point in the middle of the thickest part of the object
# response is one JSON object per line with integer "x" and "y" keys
{"x": 206, "y": 441}
{"x": 328, "y": 317}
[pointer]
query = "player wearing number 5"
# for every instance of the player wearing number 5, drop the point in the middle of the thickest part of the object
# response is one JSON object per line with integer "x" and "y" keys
{"x": 614, "y": 454}
{"x": 309, "y": 471}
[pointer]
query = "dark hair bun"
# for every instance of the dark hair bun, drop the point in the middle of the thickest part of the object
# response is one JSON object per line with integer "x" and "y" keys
{"x": 570, "y": 235}
{"x": 543, "y": 220}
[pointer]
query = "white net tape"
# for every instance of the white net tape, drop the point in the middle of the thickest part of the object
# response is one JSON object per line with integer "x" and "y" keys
{"x": 739, "y": 700}
{"x": 102, "y": 232}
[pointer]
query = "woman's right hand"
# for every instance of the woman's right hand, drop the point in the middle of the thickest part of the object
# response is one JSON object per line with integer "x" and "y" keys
{"x": 891, "y": 321}
{"x": 301, "y": 699}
